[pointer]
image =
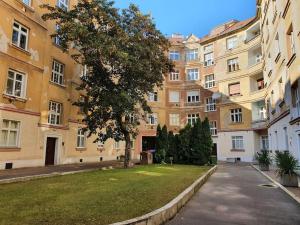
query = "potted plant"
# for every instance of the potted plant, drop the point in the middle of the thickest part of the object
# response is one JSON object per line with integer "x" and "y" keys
{"x": 286, "y": 166}
{"x": 264, "y": 160}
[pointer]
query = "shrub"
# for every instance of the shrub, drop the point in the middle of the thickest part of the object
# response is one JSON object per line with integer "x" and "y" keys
{"x": 286, "y": 163}
{"x": 264, "y": 158}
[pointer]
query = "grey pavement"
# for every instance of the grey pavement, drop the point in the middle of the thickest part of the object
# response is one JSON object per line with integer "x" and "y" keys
{"x": 233, "y": 196}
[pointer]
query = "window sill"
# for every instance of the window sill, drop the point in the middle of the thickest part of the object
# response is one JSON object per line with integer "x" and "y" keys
{"x": 81, "y": 149}
{"x": 20, "y": 49}
{"x": 210, "y": 111}
{"x": 235, "y": 71}
{"x": 238, "y": 150}
{"x": 14, "y": 98}
{"x": 9, "y": 149}
{"x": 236, "y": 123}
{"x": 208, "y": 65}
{"x": 58, "y": 85}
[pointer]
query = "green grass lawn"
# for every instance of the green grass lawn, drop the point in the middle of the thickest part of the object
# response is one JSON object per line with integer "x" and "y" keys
{"x": 99, "y": 197}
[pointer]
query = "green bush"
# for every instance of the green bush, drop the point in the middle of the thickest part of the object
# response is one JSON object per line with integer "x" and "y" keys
{"x": 286, "y": 163}
{"x": 264, "y": 158}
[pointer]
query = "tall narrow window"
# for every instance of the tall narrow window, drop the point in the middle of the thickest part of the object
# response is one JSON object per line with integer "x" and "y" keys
{"x": 57, "y": 38}
{"x": 286, "y": 138}
{"x": 152, "y": 97}
{"x": 264, "y": 142}
{"x": 233, "y": 65}
{"x": 9, "y": 133}
{"x": 296, "y": 98}
{"x": 58, "y": 70}
{"x": 210, "y": 105}
{"x": 20, "y": 35}
{"x": 232, "y": 42}
{"x": 234, "y": 89}
{"x": 210, "y": 81}
{"x": 193, "y": 74}
{"x": 63, "y": 4}
{"x": 291, "y": 42}
{"x": 236, "y": 115}
{"x": 152, "y": 119}
{"x": 16, "y": 83}
{"x": 213, "y": 128}
{"x": 81, "y": 138}
{"x": 208, "y": 59}
{"x": 55, "y": 113}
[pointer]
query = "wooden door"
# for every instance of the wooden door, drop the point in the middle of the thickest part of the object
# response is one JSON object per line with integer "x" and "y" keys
{"x": 50, "y": 151}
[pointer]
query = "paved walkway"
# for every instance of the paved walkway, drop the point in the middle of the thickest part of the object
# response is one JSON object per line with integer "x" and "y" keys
{"x": 233, "y": 196}
{"x": 24, "y": 172}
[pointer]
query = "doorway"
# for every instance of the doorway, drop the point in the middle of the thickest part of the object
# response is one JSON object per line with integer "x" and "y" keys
{"x": 50, "y": 151}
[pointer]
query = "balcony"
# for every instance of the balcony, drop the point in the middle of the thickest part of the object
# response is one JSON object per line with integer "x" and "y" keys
{"x": 259, "y": 115}
{"x": 252, "y": 33}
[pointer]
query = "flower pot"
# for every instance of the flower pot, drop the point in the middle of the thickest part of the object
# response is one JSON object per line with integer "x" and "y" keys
{"x": 264, "y": 167}
{"x": 289, "y": 180}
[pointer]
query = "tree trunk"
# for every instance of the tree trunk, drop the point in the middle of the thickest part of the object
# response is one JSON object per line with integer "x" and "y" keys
{"x": 127, "y": 161}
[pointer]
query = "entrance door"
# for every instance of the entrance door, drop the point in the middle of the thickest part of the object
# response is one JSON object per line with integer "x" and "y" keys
{"x": 50, "y": 151}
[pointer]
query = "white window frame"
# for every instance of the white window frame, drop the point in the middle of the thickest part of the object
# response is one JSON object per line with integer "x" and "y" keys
{"x": 174, "y": 55}
{"x": 191, "y": 54}
{"x": 15, "y": 81}
{"x": 174, "y": 76}
{"x": 177, "y": 96}
{"x": 237, "y": 142}
{"x": 27, "y": 2}
{"x": 57, "y": 39}
{"x": 232, "y": 43}
{"x": 9, "y": 130}
{"x": 210, "y": 81}
{"x": 63, "y": 4}
{"x": 81, "y": 138}
{"x": 19, "y": 28}
{"x": 57, "y": 76}
{"x": 153, "y": 97}
{"x": 192, "y": 74}
{"x": 264, "y": 142}
{"x": 174, "y": 119}
{"x": 233, "y": 65}
{"x": 193, "y": 96}
{"x": 192, "y": 118}
{"x": 210, "y": 105}
{"x": 55, "y": 113}
{"x": 209, "y": 59}
{"x": 152, "y": 119}
{"x": 236, "y": 115}
{"x": 213, "y": 128}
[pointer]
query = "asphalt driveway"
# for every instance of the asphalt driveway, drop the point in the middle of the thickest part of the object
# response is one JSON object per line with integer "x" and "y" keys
{"x": 234, "y": 195}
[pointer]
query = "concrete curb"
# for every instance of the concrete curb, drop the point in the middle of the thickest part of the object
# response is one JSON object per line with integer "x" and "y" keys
{"x": 292, "y": 195}
{"x": 54, "y": 174}
{"x": 167, "y": 212}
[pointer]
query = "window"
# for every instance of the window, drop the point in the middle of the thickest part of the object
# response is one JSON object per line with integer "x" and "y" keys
{"x": 192, "y": 55}
{"x": 152, "y": 119}
{"x": 277, "y": 47}
{"x": 210, "y": 105}
{"x": 208, "y": 48}
{"x": 174, "y": 120}
{"x": 233, "y": 65}
{"x": 174, "y": 76}
{"x": 193, "y": 96}
{"x": 258, "y": 57}
{"x": 81, "y": 138}
{"x": 174, "y": 55}
{"x": 236, "y": 115}
{"x": 152, "y": 97}
{"x": 260, "y": 84}
{"x": 117, "y": 145}
{"x": 291, "y": 42}
{"x": 9, "y": 133}
{"x": 286, "y": 138}
{"x": 27, "y": 2}
{"x": 264, "y": 142}
{"x": 296, "y": 97}
{"x": 209, "y": 59}
{"x": 192, "y": 118}
{"x": 20, "y": 36}
{"x": 64, "y": 4}
{"x": 131, "y": 144}
{"x": 55, "y": 112}
{"x": 262, "y": 112}
{"x": 237, "y": 142}
{"x": 16, "y": 84}
{"x": 57, "y": 72}
{"x": 210, "y": 81}
{"x": 193, "y": 74}
{"x": 57, "y": 38}
{"x": 213, "y": 128}
{"x": 232, "y": 42}
{"x": 234, "y": 89}
{"x": 83, "y": 108}
{"x": 174, "y": 96}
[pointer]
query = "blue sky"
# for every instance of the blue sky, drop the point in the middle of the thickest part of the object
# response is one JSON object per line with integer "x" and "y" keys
{"x": 193, "y": 16}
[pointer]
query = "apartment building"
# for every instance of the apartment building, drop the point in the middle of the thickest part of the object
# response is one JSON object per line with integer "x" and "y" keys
{"x": 280, "y": 25}
{"x": 39, "y": 125}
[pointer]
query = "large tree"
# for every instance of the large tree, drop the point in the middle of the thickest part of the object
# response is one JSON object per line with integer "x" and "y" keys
{"x": 125, "y": 54}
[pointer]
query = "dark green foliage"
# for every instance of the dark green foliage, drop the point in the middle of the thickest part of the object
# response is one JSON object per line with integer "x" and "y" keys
{"x": 193, "y": 144}
{"x": 161, "y": 144}
{"x": 286, "y": 163}
{"x": 125, "y": 55}
{"x": 264, "y": 158}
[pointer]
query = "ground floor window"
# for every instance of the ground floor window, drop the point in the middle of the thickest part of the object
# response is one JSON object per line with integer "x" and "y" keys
{"x": 9, "y": 133}
{"x": 81, "y": 138}
{"x": 237, "y": 142}
{"x": 265, "y": 142}
{"x": 192, "y": 118}
{"x": 213, "y": 127}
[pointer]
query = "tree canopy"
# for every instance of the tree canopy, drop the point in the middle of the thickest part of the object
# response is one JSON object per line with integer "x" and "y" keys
{"x": 125, "y": 56}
